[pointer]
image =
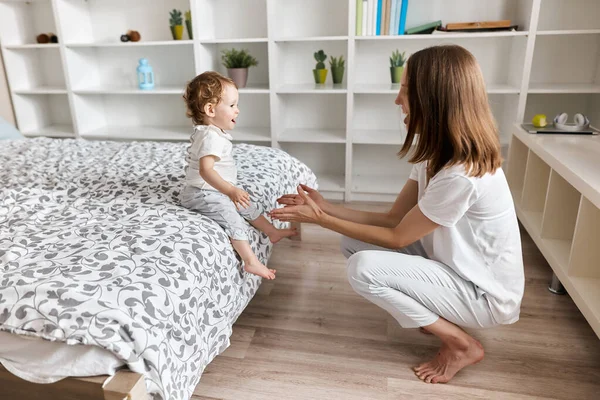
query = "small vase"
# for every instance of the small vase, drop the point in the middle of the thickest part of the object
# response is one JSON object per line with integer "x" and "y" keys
{"x": 396, "y": 73}
{"x": 239, "y": 76}
{"x": 188, "y": 24}
{"x": 177, "y": 32}
{"x": 337, "y": 74}
{"x": 320, "y": 76}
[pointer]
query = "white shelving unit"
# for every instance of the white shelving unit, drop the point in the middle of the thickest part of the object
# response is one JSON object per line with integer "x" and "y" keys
{"x": 556, "y": 189}
{"x": 349, "y": 134}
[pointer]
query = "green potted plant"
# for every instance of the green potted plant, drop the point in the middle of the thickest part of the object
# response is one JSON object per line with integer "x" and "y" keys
{"x": 188, "y": 23}
{"x": 176, "y": 23}
{"x": 337, "y": 69}
{"x": 320, "y": 73}
{"x": 397, "y": 61}
{"x": 237, "y": 63}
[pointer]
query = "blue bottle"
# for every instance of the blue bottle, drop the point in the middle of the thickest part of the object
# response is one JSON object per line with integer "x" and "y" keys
{"x": 145, "y": 75}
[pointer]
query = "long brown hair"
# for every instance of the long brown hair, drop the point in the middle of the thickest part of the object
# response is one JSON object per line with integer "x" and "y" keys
{"x": 449, "y": 110}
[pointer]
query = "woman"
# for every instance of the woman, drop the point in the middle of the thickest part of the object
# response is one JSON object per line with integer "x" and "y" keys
{"x": 448, "y": 253}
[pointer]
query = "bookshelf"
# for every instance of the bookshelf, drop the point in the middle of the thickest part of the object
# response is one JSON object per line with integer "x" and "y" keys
{"x": 85, "y": 86}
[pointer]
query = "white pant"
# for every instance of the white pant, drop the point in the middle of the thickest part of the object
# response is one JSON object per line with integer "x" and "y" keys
{"x": 415, "y": 290}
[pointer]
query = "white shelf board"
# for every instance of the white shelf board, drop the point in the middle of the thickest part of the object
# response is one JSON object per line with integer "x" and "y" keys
{"x": 569, "y": 32}
{"x": 251, "y": 134}
{"x": 234, "y": 40}
{"x": 179, "y": 133}
{"x": 561, "y": 88}
{"x": 63, "y": 131}
{"x": 312, "y": 39}
{"x": 130, "y": 90}
{"x": 437, "y": 36}
{"x": 393, "y": 88}
{"x": 257, "y": 88}
{"x": 378, "y": 184}
{"x": 330, "y": 183}
{"x": 133, "y": 44}
{"x": 42, "y": 90}
{"x": 377, "y": 136}
{"x": 312, "y": 88}
{"x": 31, "y": 46}
{"x": 301, "y": 135}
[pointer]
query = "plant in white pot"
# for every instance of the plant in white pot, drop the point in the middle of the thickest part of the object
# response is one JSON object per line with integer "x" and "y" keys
{"x": 237, "y": 63}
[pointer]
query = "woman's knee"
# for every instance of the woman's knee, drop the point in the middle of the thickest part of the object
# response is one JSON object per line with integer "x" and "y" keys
{"x": 359, "y": 268}
{"x": 349, "y": 246}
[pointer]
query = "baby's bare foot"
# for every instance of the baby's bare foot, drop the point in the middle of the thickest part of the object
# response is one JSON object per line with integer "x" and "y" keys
{"x": 257, "y": 268}
{"x": 279, "y": 234}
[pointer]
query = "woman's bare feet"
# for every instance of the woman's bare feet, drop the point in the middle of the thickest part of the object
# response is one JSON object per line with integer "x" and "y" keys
{"x": 453, "y": 356}
{"x": 257, "y": 268}
{"x": 277, "y": 234}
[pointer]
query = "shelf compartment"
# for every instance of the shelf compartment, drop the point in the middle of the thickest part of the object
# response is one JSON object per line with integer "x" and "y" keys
{"x": 560, "y": 215}
{"x": 376, "y": 169}
{"x": 127, "y": 117}
{"x": 313, "y": 136}
{"x": 241, "y": 19}
{"x": 44, "y": 115}
{"x": 586, "y": 252}
{"x": 254, "y": 120}
{"x": 504, "y": 108}
{"x": 569, "y": 69}
{"x": 368, "y": 109}
{"x": 209, "y": 59}
{"x": 23, "y": 21}
{"x": 377, "y": 136}
{"x": 296, "y": 62}
{"x": 99, "y": 22}
{"x": 310, "y": 18}
{"x": 35, "y": 70}
{"x": 569, "y": 15}
{"x": 252, "y": 135}
{"x": 372, "y": 70}
{"x": 571, "y": 103}
{"x": 326, "y": 160}
{"x": 113, "y": 69}
{"x": 320, "y": 116}
{"x": 535, "y": 187}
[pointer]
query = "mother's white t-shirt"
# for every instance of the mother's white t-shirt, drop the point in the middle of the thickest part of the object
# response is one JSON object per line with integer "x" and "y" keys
{"x": 478, "y": 235}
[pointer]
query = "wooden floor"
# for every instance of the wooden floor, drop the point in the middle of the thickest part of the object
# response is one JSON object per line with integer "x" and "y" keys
{"x": 307, "y": 335}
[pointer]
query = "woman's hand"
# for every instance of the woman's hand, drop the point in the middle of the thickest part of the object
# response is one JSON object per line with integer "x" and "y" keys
{"x": 240, "y": 198}
{"x": 307, "y": 209}
{"x": 296, "y": 199}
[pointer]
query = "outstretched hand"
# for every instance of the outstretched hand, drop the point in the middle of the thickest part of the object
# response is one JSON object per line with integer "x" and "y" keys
{"x": 299, "y": 208}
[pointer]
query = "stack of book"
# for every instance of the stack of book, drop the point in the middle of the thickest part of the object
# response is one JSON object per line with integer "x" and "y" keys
{"x": 381, "y": 17}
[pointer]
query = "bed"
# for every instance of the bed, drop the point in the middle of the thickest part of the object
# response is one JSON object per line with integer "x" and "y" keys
{"x": 97, "y": 255}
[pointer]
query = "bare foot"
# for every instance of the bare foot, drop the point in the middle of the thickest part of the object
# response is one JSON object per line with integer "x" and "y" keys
{"x": 279, "y": 234}
{"x": 450, "y": 360}
{"x": 257, "y": 268}
{"x": 425, "y": 331}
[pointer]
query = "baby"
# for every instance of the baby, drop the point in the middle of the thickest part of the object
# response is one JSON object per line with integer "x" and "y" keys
{"x": 211, "y": 174}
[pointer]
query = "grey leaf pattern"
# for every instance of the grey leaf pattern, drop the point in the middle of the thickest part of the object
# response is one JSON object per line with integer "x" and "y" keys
{"x": 96, "y": 249}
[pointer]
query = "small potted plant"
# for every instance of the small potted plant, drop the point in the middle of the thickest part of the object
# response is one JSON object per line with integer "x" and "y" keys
{"x": 320, "y": 73}
{"x": 397, "y": 61}
{"x": 188, "y": 23}
{"x": 237, "y": 63}
{"x": 176, "y": 23}
{"x": 337, "y": 69}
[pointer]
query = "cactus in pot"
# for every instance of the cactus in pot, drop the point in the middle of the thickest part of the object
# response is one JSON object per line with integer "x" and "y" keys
{"x": 176, "y": 23}
{"x": 320, "y": 72}
{"x": 397, "y": 61}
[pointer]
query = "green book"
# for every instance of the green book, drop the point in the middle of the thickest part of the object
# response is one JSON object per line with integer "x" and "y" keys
{"x": 425, "y": 28}
{"x": 359, "y": 17}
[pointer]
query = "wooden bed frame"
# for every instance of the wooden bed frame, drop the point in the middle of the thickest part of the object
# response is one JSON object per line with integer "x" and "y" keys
{"x": 124, "y": 385}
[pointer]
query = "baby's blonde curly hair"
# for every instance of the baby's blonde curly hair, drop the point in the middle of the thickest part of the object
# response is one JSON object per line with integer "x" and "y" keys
{"x": 205, "y": 88}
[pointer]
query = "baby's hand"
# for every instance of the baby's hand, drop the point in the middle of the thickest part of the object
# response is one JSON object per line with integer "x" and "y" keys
{"x": 240, "y": 198}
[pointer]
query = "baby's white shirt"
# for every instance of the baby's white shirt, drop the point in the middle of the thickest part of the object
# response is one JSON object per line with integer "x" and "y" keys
{"x": 210, "y": 140}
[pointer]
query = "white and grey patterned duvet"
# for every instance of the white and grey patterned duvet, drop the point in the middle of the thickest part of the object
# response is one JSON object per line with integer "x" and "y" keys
{"x": 95, "y": 249}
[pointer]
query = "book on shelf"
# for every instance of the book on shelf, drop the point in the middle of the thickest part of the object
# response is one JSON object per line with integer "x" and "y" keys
{"x": 381, "y": 17}
{"x": 425, "y": 28}
{"x": 479, "y": 26}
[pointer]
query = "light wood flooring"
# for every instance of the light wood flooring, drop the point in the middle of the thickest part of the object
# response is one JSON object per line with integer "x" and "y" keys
{"x": 307, "y": 335}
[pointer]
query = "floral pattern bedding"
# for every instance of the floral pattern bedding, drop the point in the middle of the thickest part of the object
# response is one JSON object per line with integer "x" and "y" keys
{"x": 95, "y": 249}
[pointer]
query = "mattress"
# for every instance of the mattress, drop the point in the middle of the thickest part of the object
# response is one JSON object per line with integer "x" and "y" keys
{"x": 95, "y": 250}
